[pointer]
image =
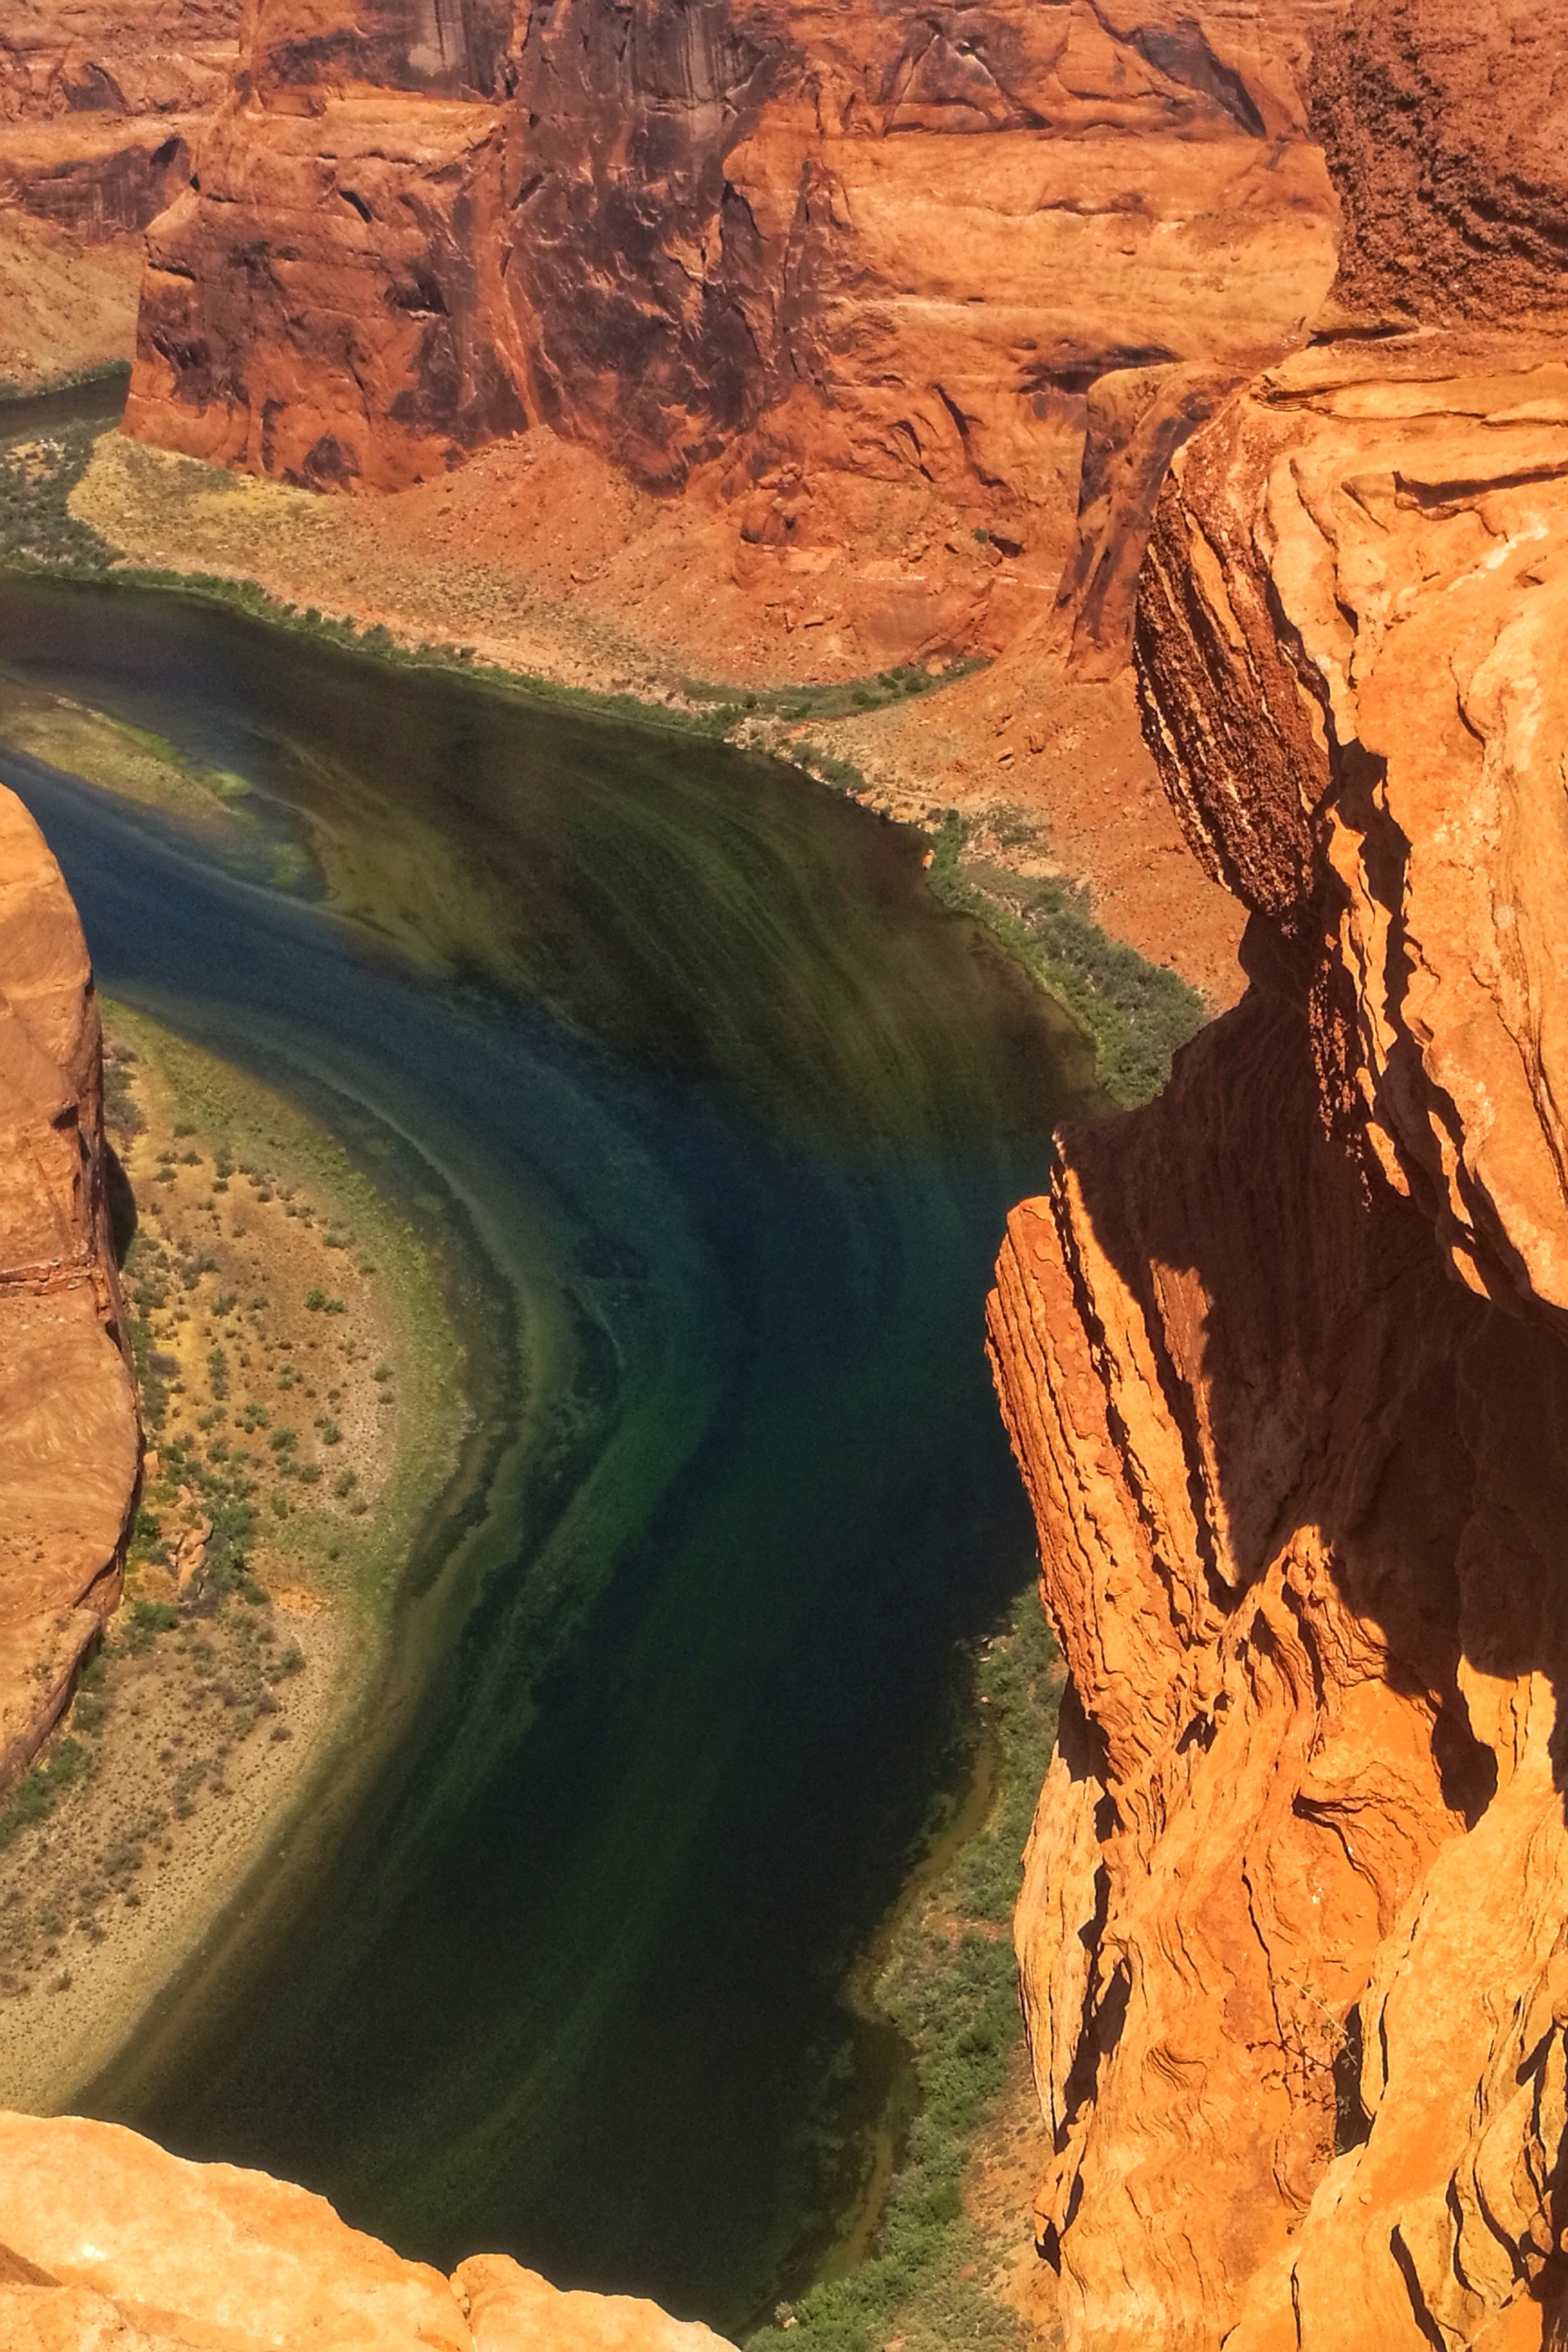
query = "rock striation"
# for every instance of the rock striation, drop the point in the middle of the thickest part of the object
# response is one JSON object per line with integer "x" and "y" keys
{"x": 1285, "y": 1356}
{"x": 107, "y": 2245}
{"x": 867, "y": 285}
{"x": 69, "y": 1436}
{"x": 99, "y": 113}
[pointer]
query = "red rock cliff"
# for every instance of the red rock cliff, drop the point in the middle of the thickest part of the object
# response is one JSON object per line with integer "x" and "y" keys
{"x": 99, "y": 111}
{"x": 848, "y": 275}
{"x": 68, "y": 1431}
{"x": 1285, "y": 1356}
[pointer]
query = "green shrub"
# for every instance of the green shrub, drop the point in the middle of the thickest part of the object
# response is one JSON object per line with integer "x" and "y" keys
{"x": 954, "y": 1999}
{"x": 1138, "y": 1013}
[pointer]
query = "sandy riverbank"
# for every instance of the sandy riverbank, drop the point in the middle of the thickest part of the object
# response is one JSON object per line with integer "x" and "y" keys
{"x": 302, "y": 1391}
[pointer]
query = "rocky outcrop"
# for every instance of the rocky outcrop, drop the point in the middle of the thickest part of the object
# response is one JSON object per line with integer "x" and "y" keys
{"x": 1285, "y": 1355}
{"x": 100, "y": 110}
{"x": 862, "y": 284}
{"x": 106, "y": 2241}
{"x": 69, "y": 1433}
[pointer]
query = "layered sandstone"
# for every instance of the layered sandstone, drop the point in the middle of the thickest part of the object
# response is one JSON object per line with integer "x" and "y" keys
{"x": 860, "y": 284}
{"x": 1285, "y": 1356}
{"x": 100, "y": 110}
{"x": 69, "y": 1432}
{"x": 106, "y": 2241}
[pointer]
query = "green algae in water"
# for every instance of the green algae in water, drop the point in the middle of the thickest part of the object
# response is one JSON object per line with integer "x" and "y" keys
{"x": 734, "y": 1113}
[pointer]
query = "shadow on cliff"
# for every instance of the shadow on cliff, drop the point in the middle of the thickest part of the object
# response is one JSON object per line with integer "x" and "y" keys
{"x": 1328, "y": 1369}
{"x": 1350, "y": 1604}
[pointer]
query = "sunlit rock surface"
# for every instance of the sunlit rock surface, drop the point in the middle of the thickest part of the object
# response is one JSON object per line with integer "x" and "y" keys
{"x": 68, "y": 1435}
{"x": 100, "y": 109}
{"x": 865, "y": 283}
{"x": 108, "y": 2244}
{"x": 1284, "y": 1355}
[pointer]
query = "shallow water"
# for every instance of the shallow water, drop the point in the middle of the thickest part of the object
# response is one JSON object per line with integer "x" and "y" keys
{"x": 724, "y": 1116}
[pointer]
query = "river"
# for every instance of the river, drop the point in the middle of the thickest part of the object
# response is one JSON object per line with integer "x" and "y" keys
{"x": 723, "y": 1115}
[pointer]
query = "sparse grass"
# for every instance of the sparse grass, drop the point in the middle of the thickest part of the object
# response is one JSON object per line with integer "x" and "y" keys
{"x": 949, "y": 1985}
{"x": 38, "y": 530}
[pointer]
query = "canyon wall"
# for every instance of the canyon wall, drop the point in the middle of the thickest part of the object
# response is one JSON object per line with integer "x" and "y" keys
{"x": 68, "y": 1429}
{"x": 895, "y": 293}
{"x": 101, "y": 110}
{"x": 1285, "y": 1356}
{"x": 107, "y": 2245}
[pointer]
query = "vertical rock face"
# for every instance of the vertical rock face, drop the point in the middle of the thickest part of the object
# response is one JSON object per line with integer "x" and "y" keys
{"x": 1285, "y": 1356}
{"x": 68, "y": 1435}
{"x": 837, "y": 272}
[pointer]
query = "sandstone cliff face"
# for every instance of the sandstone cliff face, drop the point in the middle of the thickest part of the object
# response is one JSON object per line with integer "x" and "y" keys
{"x": 69, "y": 1433}
{"x": 107, "y": 2245}
{"x": 100, "y": 110}
{"x": 1284, "y": 1355}
{"x": 863, "y": 282}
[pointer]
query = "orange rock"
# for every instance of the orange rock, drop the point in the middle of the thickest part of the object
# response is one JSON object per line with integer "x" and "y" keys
{"x": 68, "y": 1434}
{"x": 108, "y": 2244}
{"x": 1284, "y": 1360}
{"x": 849, "y": 280}
{"x": 513, "y": 2310}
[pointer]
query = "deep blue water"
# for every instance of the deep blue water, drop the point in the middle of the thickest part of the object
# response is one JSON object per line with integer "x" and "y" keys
{"x": 727, "y": 1116}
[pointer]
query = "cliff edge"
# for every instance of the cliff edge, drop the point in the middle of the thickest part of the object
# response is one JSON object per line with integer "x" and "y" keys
{"x": 101, "y": 110}
{"x": 69, "y": 1437}
{"x": 106, "y": 2241}
{"x": 915, "y": 302}
{"x": 1285, "y": 1355}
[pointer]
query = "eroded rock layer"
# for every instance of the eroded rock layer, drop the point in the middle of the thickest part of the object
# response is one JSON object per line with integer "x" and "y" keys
{"x": 68, "y": 1431}
{"x": 106, "y": 2241}
{"x": 1285, "y": 1358}
{"x": 867, "y": 283}
{"x": 99, "y": 111}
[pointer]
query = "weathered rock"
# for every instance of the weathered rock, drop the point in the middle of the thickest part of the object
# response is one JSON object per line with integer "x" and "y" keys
{"x": 68, "y": 1434}
{"x": 846, "y": 280}
{"x": 108, "y": 2244}
{"x": 99, "y": 111}
{"x": 1286, "y": 1363}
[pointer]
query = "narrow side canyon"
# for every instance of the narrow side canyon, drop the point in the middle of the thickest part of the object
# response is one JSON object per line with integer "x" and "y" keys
{"x": 1283, "y": 1354}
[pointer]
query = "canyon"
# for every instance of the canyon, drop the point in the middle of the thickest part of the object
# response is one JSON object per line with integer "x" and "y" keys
{"x": 774, "y": 342}
{"x": 1234, "y": 339}
{"x": 856, "y": 285}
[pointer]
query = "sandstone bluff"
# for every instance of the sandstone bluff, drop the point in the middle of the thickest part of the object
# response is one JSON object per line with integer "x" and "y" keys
{"x": 1283, "y": 1355}
{"x": 69, "y": 1432}
{"x": 107, "y": 2245}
